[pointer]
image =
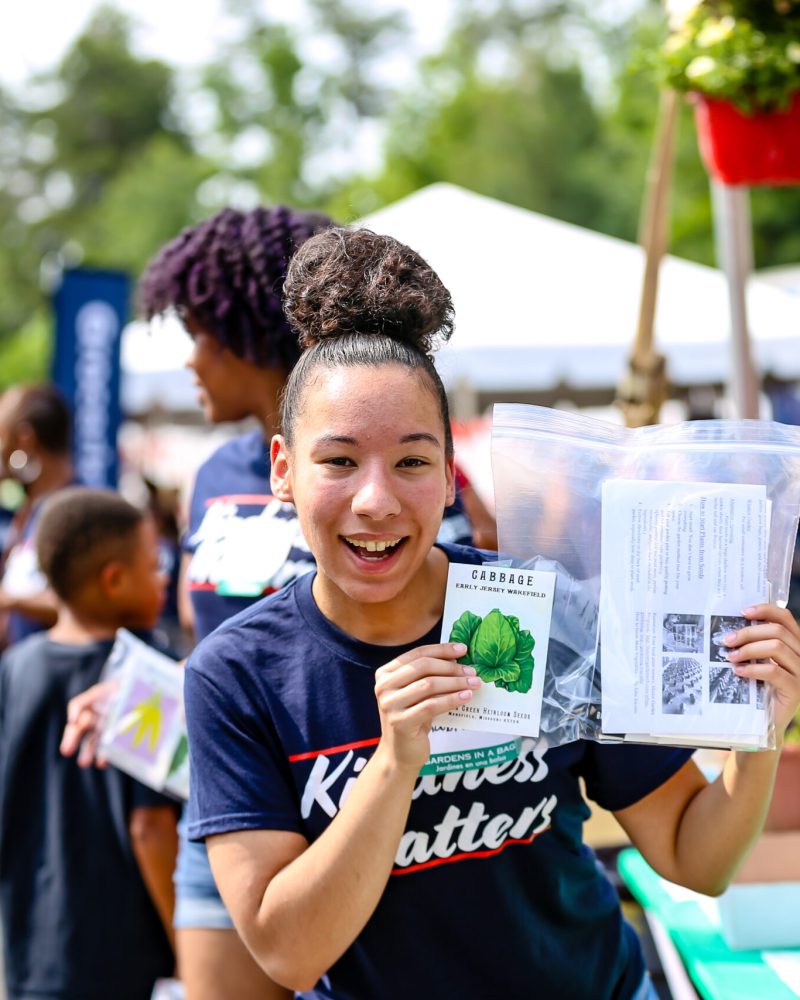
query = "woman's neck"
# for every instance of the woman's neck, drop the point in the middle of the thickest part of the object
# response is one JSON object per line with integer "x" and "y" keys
{"x": 407, "y": 617}
{"x": 56, "y": 472}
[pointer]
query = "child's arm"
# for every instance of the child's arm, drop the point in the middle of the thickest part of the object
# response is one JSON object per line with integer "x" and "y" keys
{"x": 695, "y": 833}
{"x": 154, "y": 837}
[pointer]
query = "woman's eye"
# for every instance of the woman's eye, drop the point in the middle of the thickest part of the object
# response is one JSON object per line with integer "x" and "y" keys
{"x": 412, "y": 463}
{"x": 340, "y": 461}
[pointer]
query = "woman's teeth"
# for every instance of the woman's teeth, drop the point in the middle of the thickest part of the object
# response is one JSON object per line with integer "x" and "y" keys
{"x": 371, "y": 546}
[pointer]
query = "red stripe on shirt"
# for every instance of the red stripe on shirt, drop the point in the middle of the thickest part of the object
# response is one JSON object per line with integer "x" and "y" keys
{"x": 213, "y": 587}
{"x": 294, "y": 758}
{"x": 469, "y": 854}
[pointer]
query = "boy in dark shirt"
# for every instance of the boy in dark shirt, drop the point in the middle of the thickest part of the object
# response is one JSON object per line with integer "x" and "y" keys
{"x": 86, "y": 856}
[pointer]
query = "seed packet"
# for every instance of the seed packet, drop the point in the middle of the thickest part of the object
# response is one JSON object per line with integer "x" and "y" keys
{"x": 145, "y": 728}
{"x": 502, "y": 615}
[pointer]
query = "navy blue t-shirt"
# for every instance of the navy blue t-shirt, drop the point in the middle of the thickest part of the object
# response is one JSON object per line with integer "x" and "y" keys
{"x": 78, "y": 921}
{"x": 493, "y": 893}
{"x": 243, "y": 542}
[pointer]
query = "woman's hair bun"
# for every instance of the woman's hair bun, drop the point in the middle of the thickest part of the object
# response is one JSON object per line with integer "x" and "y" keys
{"x": 345, "y": 281}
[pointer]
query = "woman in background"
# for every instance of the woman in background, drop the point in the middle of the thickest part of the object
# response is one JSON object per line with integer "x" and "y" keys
{"x": 35, "y": 452}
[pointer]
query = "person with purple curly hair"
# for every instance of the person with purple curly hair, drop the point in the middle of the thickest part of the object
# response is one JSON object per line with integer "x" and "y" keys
{"x": 224, "y": 278}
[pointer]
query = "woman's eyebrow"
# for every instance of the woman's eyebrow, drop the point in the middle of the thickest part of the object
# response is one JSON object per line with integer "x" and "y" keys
{"x": 335, "y": 439}
{"x": 421, "y": 436}
{"x": 406, "y": 439}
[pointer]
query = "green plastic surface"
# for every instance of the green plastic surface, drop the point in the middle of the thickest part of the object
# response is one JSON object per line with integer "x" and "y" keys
{"x": 718, "y": 973}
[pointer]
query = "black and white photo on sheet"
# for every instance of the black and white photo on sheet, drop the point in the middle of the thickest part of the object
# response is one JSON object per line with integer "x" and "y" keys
{"x": 683, "y": 633}
{"x": 681, "y": 686}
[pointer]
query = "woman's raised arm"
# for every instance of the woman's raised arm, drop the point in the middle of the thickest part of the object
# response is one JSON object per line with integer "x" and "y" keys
{"x": 695, "y": 833}
{"x": 298, "y": 907}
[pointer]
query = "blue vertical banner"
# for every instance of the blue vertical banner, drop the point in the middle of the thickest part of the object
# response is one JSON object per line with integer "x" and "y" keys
{"x": 91, "y": 309}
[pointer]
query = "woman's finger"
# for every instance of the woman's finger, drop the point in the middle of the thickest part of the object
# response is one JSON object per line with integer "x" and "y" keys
{"x": 768, "y": 649}
{"x": 426, "y": 711}
{"x": 408, "y": 673}
{"x": 772, "y": 613}
{"x": 760, "y": 632}
{"x": 439, "y": 651}
{"x": 426, "y": 688}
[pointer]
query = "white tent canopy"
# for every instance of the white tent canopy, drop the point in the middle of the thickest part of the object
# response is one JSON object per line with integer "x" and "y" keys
{"x": 539, "y": 302}
{"x": 154, "y": 372}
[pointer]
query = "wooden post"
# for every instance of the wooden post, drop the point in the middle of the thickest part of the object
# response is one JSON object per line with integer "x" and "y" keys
{"x": 734, "y": 239}
{"x": 643, "y": 387}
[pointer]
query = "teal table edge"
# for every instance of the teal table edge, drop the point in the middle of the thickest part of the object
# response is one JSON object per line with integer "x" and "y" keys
{"x": 717, "y": 972}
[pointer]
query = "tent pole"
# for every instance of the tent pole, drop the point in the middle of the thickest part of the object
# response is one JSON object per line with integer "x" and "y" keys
{"x": 734, "y": 241}
{"x": 643, "y": 387}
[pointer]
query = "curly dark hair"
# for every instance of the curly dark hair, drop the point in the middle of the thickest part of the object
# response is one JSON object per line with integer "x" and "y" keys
{"x": 359, "y": 299}
{"x": 227, "y": 274}
{"x": 355, "y": 281}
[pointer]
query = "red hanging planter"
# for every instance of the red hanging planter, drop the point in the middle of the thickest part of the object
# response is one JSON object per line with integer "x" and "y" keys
{"x": 763, "y": 148}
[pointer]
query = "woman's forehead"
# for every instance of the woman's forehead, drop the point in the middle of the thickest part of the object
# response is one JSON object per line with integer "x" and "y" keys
{"x": 355, "y": 400}
{"x": 375, "y": 386}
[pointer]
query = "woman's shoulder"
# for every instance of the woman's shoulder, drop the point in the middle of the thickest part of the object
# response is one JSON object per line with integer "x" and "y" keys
{"x": 253, "y": 633}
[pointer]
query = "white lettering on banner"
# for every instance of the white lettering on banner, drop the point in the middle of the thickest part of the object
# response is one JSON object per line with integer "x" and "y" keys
{"x": 96, "y": 328}
{"x": 474, "y": 832}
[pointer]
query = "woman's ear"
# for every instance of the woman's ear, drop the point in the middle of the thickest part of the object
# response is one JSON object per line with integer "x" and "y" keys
{"x": 450, "y": 471}
{"x": 25, "y": 435}
{"x": 280, "y": 476}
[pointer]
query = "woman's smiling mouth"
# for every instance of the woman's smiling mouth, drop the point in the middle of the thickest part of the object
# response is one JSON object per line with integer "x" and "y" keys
{"x": 373, "y": 549}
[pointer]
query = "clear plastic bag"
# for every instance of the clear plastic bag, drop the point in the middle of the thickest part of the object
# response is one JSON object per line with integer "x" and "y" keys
{"x": 666, "y": 494}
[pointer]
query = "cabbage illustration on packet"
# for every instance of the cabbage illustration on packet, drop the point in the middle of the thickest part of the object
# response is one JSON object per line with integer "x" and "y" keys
{"x": 500, "y": 651}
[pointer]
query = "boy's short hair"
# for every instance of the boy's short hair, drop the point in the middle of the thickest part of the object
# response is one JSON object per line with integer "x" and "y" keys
{"x": 80, "y": 531}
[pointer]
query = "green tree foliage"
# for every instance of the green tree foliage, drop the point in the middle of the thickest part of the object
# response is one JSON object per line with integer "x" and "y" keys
{"x": 110, "y": 104}
{"x": 93, "y": 162}
{"x": 25, "y": 354}
{"x": 296, "y": 110}
{"x": 528, "y": 101}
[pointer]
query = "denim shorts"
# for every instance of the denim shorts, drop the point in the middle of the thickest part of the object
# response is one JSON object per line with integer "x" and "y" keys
{"x": 646, "y": 990}
{"x": 197, "y": 901}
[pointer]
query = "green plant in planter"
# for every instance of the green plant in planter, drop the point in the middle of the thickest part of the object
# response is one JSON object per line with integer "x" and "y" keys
{"x": 743, "y": 51}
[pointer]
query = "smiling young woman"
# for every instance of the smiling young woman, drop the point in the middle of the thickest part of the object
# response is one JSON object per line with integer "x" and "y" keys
{"x": 347, "y": 873}
{"x": 369, "y": 460}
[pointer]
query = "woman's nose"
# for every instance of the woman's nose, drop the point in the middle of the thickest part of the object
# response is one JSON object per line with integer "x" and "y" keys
{"x": 375, "y": 498}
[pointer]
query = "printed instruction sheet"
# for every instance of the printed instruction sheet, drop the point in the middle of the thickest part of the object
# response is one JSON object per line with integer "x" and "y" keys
{"x": 679, "y": 562}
